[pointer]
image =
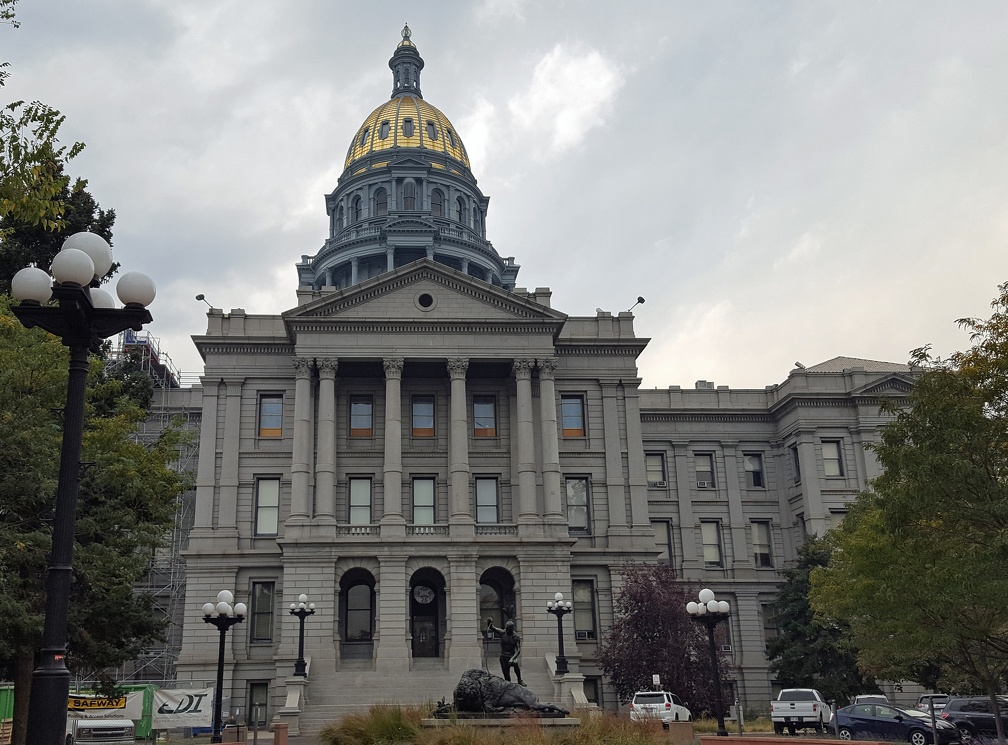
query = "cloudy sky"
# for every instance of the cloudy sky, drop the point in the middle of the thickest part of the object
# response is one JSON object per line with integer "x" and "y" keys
{"x": 782, "y": 181}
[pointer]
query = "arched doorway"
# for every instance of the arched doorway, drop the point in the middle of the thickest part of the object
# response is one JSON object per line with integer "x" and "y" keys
{"x": 496, "y": 602}
{"x": 427, "y": 612}
{"x": 357, "y": 614}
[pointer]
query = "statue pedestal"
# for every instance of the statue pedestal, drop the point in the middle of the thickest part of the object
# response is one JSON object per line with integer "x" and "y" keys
{"x": 290, "y": 712}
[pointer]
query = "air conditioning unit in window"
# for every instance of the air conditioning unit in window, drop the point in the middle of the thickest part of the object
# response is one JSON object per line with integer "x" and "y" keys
{"x": 581, "y": 635}
{"x": 726, "y": 647}
{"x": 658, "y": 484}
{"x": 704, "y": 484}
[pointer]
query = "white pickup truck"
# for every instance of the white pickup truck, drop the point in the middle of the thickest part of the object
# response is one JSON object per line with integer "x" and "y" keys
{"x": 799, "y": 708}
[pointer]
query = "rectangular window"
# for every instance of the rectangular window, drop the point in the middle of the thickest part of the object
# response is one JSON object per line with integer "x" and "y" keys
{"x": 577, "y": 505}
{"x": 770, "y": 630}
{"x": 423, "y": 501}
{"x": 361, "y": 416}
{"x": 796, "y": 464}
{"x": 754, "y": 471}
{"x": 592, "y": 690}
{"x": 762, "y": 549}
{"x": 261, "y": 627}
{"x": 710, "y": 532}
{"x": 704, "y": 470}
{"x": 663, "y": 540}
{"x": 572, "y": 418}
{"x": 258, "y": 703}
{"x": 584, "y": 609}
{"x": 360, "y": 501}
{"x": 487, "y": 504}
{"x": 267, "y": 512}
{"x": 832, "y": 458}
{"x": 423, "y": 416}
{"x": 655, "y": 464}
{"x": 484, "y": 416}
{"x": 270, "y": 415}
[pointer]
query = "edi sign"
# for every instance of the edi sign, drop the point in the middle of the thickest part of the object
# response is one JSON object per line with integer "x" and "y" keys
{"x": 182, "y": 708}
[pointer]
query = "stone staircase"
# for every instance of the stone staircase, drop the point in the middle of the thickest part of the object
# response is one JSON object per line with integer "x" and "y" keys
{"x": 356, "y": 686}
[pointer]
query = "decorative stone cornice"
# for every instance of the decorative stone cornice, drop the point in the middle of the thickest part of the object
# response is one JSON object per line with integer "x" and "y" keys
{"x": 713, "y": 416}
{"x": 457, "y": 367}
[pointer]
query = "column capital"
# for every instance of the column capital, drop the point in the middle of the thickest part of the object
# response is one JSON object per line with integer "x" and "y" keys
{"x": 393, "y": 367}
{"x": 522, "y": 368}
{"x": 327, "y": 367}
{"x": 302, "y": 367}
{"x": 457, "y": 367}
{"x": 547, "y": 366}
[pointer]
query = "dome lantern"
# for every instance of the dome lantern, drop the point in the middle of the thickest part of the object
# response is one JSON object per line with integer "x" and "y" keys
{"x": 406, "y": 64}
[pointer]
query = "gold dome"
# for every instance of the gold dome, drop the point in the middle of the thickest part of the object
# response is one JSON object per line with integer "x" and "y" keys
{"x": 406, "y": 121}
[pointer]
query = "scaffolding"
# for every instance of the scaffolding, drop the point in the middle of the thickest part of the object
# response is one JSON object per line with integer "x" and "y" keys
{"x": 165, "y": 583}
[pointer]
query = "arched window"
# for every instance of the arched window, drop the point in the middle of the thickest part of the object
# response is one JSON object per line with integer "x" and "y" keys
{"x": 409, "y": 196}
{"x": 357, "y": 614}
{"x": 476, "y": 220}
{"x": 339, "y": 217}
{"x": 381, "y": 202}
{"x": 355, "y": 208}
{"x": 460, "y": 209}
{"x": 437, "y": 203}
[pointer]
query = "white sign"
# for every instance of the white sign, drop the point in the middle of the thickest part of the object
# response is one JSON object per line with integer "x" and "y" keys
{"x": 182, "y": 708}
{"x": 656, "y": 680}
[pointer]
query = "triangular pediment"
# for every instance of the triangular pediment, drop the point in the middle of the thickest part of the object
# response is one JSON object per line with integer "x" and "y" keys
{"x": 892, "y": 385}
{"x": 408, "y": 225}
{"x": 425, "y": 292}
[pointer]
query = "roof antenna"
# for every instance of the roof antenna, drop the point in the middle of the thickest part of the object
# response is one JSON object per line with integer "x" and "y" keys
{"x": 202, "y": 297}
{"x": 640, "y": 301}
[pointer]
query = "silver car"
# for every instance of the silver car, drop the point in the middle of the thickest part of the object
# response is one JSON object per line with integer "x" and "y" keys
{"x": 661, "y": 705}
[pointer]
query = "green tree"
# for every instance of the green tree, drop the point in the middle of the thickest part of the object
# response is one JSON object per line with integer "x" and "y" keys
{"x": 918, "y": 569}
{"x": 653, "y": 633}
{"x": 810, "y": 652}
{"x": 126, "y": 506}
{"x": 30, "y": 151}
{"x": 32, "y": 244}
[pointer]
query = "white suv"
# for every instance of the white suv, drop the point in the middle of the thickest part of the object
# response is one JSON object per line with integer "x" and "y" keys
{"x": 660, "y": 705}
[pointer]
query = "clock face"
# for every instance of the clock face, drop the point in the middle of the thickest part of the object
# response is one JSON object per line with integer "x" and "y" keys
{"x": 423, "y": 594}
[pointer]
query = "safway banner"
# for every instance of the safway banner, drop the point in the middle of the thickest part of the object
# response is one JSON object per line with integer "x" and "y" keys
{"x": 182, "y": 708}
{"x": 129, "y": 706}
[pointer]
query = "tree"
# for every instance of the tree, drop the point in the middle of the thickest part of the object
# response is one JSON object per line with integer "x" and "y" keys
{"x": 809, "y": 652}
{"x": 919, "y": 563}
{"x": 127, "y": 501}
{"x": 652, "y": 633}
{"x": 30, "y": 181}
{"x": 30, "y": 243}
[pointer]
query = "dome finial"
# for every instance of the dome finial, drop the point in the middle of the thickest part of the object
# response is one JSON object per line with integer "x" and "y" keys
{"x": 406, "y": 33}
{"x": 406, "y": 65}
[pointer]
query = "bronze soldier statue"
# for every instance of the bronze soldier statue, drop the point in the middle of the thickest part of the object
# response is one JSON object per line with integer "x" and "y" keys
{"x": 510, "y": 644}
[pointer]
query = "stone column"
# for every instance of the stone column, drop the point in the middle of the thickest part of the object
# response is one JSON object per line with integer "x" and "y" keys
{"x": 741, "y": 565}
{"x": 527, "y": 511}
{"x": 392, "y": 472}
{"x": 615, "y": 484}
{"x": 458, "y": 442}
{"x": 815, "y": 512}
{"x": 692, "y": 565}
{"x": 206, "y": 474}
{"x": 325, "y": 468}
{"x": 390, "y": 258}
{"x": 639, "y": 515}
{"x": 227, "y": 511}
{"x": 353, "y": 270}
{"x": 550, "y": 437}
{"x": 301, "y": 457}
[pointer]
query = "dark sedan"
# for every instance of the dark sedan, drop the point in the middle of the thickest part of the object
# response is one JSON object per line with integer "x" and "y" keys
{"x": 887, "y": 722}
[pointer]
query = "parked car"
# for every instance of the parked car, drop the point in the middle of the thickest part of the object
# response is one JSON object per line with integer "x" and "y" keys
{"x": 799, "y": 708}
{"x": 660, "y": 705}
{"x": 888, "y": 722}
{"x": 938, "y": 700}
{"x": 974, "y": 716}
{"x": 870, "y": 698}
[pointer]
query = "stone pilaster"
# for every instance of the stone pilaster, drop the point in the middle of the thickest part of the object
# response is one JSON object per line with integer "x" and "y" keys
{"x": 527, "y": 511}
{"x": 301, "y": 457}
{"x": 206, "y": 474}
{"x": 458, "y": 442}
{"x": 325, "y": 467}
{"x": 227, "y": 509}
{"x": 392, "y": 470}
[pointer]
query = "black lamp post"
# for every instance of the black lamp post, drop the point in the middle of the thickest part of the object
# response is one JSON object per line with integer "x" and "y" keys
{"x": 302, "y": 609}
{"x": 83, "y": 317}
{"x": 710, "y": 613}
{"x": 559, "y": 608}
{"x": 223, "y": 620}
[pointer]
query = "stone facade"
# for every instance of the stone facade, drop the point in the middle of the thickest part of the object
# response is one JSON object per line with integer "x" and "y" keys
{"x": 428, "y": 445}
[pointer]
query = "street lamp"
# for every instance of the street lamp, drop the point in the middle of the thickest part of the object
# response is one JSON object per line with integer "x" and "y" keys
{"x": 710, "y": 613}
{"x": 223, "y": 621}
{"x": 559, "y": 608}
{"x": 83, "y": 317}
{"x": 302, "y": 609}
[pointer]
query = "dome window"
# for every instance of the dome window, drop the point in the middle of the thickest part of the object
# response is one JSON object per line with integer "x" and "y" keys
{"x": 437, "y": 203}
{"x": 355, "y": 208}
{"x": 339, "y": 218}
{"x": 407, "y": 127}
{"x": 383, "y": 130}
{"x": 363, "y": 136}
{"x": 409, "y": 196}
{"x": 460, "y": 209}
{"x": 431, "y": 130}
{"x": 381, "y": 202}
{"x": 451, "y": 138}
